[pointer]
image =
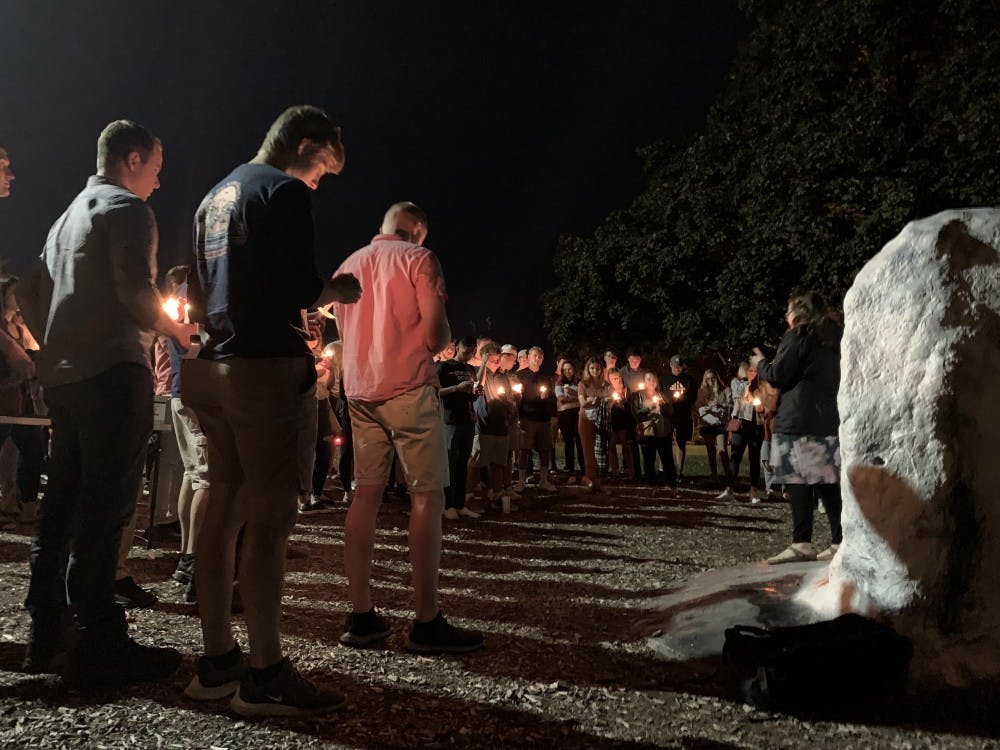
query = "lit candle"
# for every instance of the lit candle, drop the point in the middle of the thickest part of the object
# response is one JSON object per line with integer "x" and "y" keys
{"x": 543, "y": 390}
{"x": 756, "y": 401}
{"x": 501, "y": 390}
{"x": 328, "y": 352}
{"x": 339, "y": 440}
{"x": 172, "y": 307}
{"x": 656, "y": 399}
{"x": 615, "y": 396}
{"x": 517, "y": 388}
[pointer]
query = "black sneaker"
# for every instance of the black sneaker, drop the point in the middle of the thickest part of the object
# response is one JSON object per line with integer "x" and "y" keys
{"x": 211, "y": 683}
{"x": 286, "y": 694}
{"x": 437, "y": 636}
{"x": 313, "y": 507}
{"x": 185, "y": 570}
{"x": 43, "y": 646}
{"x": 191, "y": 593}
{"x": 117, "y": 661}
{"x": 131, "y": 595}
{"x": 364, "y": 628}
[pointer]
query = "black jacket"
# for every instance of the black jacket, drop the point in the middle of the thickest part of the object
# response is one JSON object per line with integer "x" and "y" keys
{"x": 807, "y": 371}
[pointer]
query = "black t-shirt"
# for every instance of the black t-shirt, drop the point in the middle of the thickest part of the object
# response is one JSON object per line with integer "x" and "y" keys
{"x": 254, "y": 265}
{"x": 456, "y": 407}
{"x": 538, "y": 395}
{"x": 683, "y": 385}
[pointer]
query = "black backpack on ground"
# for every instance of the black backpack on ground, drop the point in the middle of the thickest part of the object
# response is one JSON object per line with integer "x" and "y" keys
{"x": 833, "y": 664}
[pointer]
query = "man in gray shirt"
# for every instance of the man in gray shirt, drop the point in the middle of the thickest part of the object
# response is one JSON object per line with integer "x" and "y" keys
{"x": 92, "y": 304}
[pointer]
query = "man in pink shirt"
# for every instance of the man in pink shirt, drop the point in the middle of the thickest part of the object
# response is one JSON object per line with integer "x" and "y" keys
{"x": 390, "y": 338}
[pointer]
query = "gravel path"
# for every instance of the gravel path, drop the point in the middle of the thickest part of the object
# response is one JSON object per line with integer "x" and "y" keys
{"x": 559, "y": 588}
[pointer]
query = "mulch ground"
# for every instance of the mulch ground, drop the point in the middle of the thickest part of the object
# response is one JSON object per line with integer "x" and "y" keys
{"x": 561, "y": 589}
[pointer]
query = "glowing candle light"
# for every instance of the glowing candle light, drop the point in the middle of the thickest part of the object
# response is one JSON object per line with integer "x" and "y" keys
{"x": 328, "y": 352}
{"x": 517, "y": 388}
{"x": 543, "y": 390}
{"x": 656, "y": 399}
{"x": 338, "y": 440}
{"x": 756, "y": 401}
{"x": 501, "y": 391}
{"x": 172, "y": 307}
{"x": 615, "y": 396}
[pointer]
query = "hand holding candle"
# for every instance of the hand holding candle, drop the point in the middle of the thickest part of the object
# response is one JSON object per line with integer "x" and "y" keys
{"x": 518, "y": 388}
{"x": 543, "y": 390}
{"x": 501, "y": 391}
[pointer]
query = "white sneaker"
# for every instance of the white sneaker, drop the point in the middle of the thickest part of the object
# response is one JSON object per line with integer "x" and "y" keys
{"x": 451, "y": 514}
{"x": 726, "y": 494}
{"x": 466, "y": 513}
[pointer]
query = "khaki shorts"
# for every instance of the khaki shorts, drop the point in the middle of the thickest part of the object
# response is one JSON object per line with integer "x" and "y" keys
{"x": 258, "y": 416}
{"x": 490, "y": 449}
{"x": 535, "y": 436}
{"x": 190, "y": 444}
{"x": 409, "y": 424}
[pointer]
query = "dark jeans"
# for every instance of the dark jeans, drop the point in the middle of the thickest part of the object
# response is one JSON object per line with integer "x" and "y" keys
{"x": 324, "y": 452}
{"x": 569, "y": 427}
{"x": 459, "y": 440}
{"x": 345, "y": 467}
{"x": 30, "y": 442}
{"x": 803, "y": 500}
{"x": 662, "y": 446}
{"x": 750, "y": 436}
{"x": 100, "y": 431}
{"x": 636, "y": 455}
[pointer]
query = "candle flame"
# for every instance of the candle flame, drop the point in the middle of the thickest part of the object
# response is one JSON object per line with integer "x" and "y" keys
{"x": 517, "y": 387}
{"x": 756, "y": 402}
{"x": 501, "y": 390}
{"x": 172, "y": 307}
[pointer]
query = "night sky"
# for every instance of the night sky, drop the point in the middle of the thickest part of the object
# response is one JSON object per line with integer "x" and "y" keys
{"x": 508, "y": 123}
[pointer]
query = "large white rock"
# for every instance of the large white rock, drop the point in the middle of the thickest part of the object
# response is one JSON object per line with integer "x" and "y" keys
{"x": 920, "y": 445}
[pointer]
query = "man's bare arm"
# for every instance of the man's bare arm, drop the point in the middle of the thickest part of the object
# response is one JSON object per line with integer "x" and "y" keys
{"x": 433, "y": 319}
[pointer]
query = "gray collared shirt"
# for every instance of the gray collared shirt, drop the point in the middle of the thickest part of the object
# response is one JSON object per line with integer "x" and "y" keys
{"x": 91, "y": 299}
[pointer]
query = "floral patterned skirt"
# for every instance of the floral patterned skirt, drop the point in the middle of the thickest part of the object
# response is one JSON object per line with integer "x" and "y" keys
{"x": 805, "y": 459}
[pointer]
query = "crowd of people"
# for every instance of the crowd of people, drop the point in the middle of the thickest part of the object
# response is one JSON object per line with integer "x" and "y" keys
{"x": 257, "y": 404}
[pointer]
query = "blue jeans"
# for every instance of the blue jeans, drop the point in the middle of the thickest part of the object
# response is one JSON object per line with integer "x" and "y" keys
{"x": 100, "y": 431}
{"x": 459, "y": 440}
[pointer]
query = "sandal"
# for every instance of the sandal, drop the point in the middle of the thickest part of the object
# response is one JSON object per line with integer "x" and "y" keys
{"x": 798, "y": 552}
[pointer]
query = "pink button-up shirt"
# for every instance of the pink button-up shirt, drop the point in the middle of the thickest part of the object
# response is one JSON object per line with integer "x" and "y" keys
{"x": 384, "y": 350}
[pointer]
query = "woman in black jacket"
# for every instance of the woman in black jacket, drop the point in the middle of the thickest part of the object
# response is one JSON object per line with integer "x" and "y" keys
{"x": 805, "y": 451}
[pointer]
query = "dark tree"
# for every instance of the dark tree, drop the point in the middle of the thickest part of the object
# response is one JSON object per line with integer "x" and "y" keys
{"x": 841, "y": 121}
